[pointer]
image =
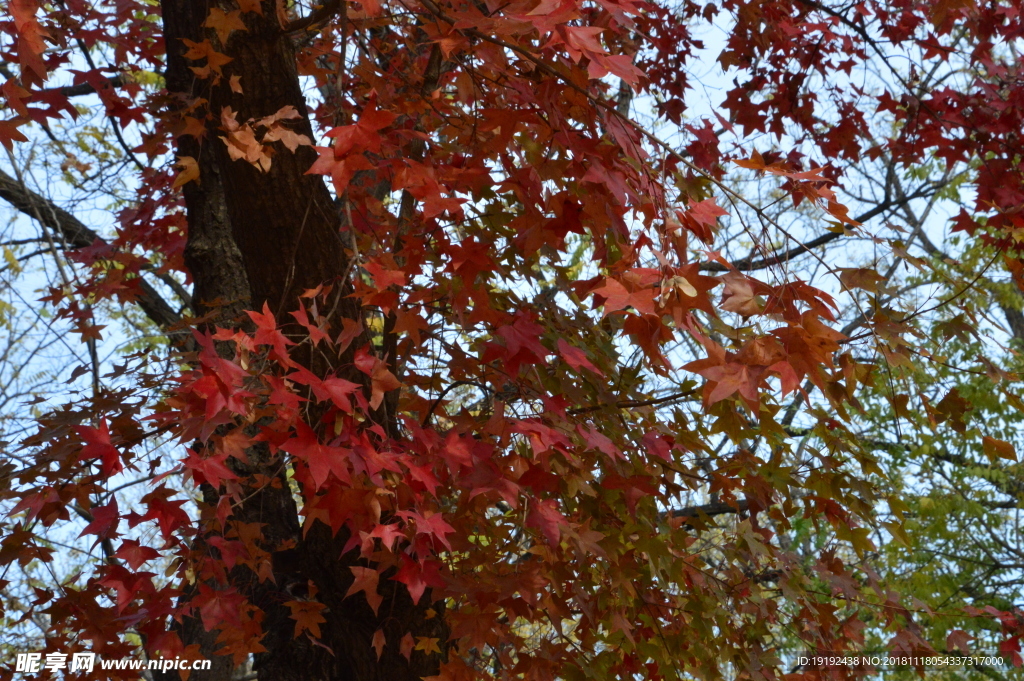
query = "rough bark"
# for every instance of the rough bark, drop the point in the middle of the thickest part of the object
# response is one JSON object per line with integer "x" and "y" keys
{"x": 263, "y": 237}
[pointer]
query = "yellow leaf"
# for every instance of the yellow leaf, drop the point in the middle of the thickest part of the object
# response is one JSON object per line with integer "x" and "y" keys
{"x": 683, "y": 284}
{"x": 12, "y": 261}
{"x": 896, "y": 530}
{"x": 427, "y": 645}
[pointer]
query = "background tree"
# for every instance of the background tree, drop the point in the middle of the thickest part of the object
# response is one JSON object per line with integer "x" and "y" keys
{"x": 506, "y": 355}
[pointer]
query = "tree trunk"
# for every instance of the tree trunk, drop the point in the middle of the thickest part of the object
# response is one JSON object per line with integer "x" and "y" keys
{"x": 263, "y": 237}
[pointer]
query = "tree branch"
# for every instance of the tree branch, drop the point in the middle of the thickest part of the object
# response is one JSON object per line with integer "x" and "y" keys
{"x": 70, "y": 90}
{"x": 433, "y": 406}
{"x": 711, "y": 510}
{"x": 87, "y": 88}
{"x": 320, "y": 14}
{"x": 749, "y": 263}
{"x": 1006, "y": 485}
{"x": 633, "y": 403}
{"x": 77, "y": 235}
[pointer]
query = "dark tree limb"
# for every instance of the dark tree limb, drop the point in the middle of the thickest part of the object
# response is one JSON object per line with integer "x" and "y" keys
{"x": 71, "y": 90}
{"x": 436, "y": 402}
{"x": 87, "y": 88}
{"x": 1007, "y": 485}
{"x": 629, "y": 404}
{"x": 711, "y": 510}
{"x": 73, "y": 232}
{"x": 314, "y": 18}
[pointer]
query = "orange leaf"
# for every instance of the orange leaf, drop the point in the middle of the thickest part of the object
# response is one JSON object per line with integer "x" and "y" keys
{"x": 406, "y": 646}
{"x": 379, "y": 641}
{"x": 998, "y": 449}
{"x": 189, "y": 171}
{"x": 307, "y": 616}
{"x": 204, "y": 50}
{"x": 30, "y": 37}
{"x": 366, "y": 580}
{"x": 224, "y": 23}
{"x": 381, "y": 379}
{"x": 739, "y": 296}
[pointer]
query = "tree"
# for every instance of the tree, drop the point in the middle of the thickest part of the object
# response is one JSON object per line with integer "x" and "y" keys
{"x": 455, "y": 393}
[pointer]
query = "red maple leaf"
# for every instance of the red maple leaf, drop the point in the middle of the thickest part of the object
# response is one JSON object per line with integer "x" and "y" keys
{"x": 135, "y": 554}
{"x": 432, "y": 525}
{"x": 706, "y": 212}
{"x": 381, "y": 378}
{"x": 417, "y": 575}
{"x": 267, "y": 333}
{"x": 333, "y": 389}
{"x": 218, "y": 607}
{"x": 104, "y": 521}
{"x": 575, "y": 357}
{"x": 618, "y": 297}
{"x": 316, "y": 334}
{"x": 210, "y": 469}
{"x": 98, "y": 446}
{"x": 321, "y": 459}
{"x": 545, "y": 516}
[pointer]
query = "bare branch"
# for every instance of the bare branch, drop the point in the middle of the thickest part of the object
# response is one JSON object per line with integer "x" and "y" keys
{"x": 749, "y": 263}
